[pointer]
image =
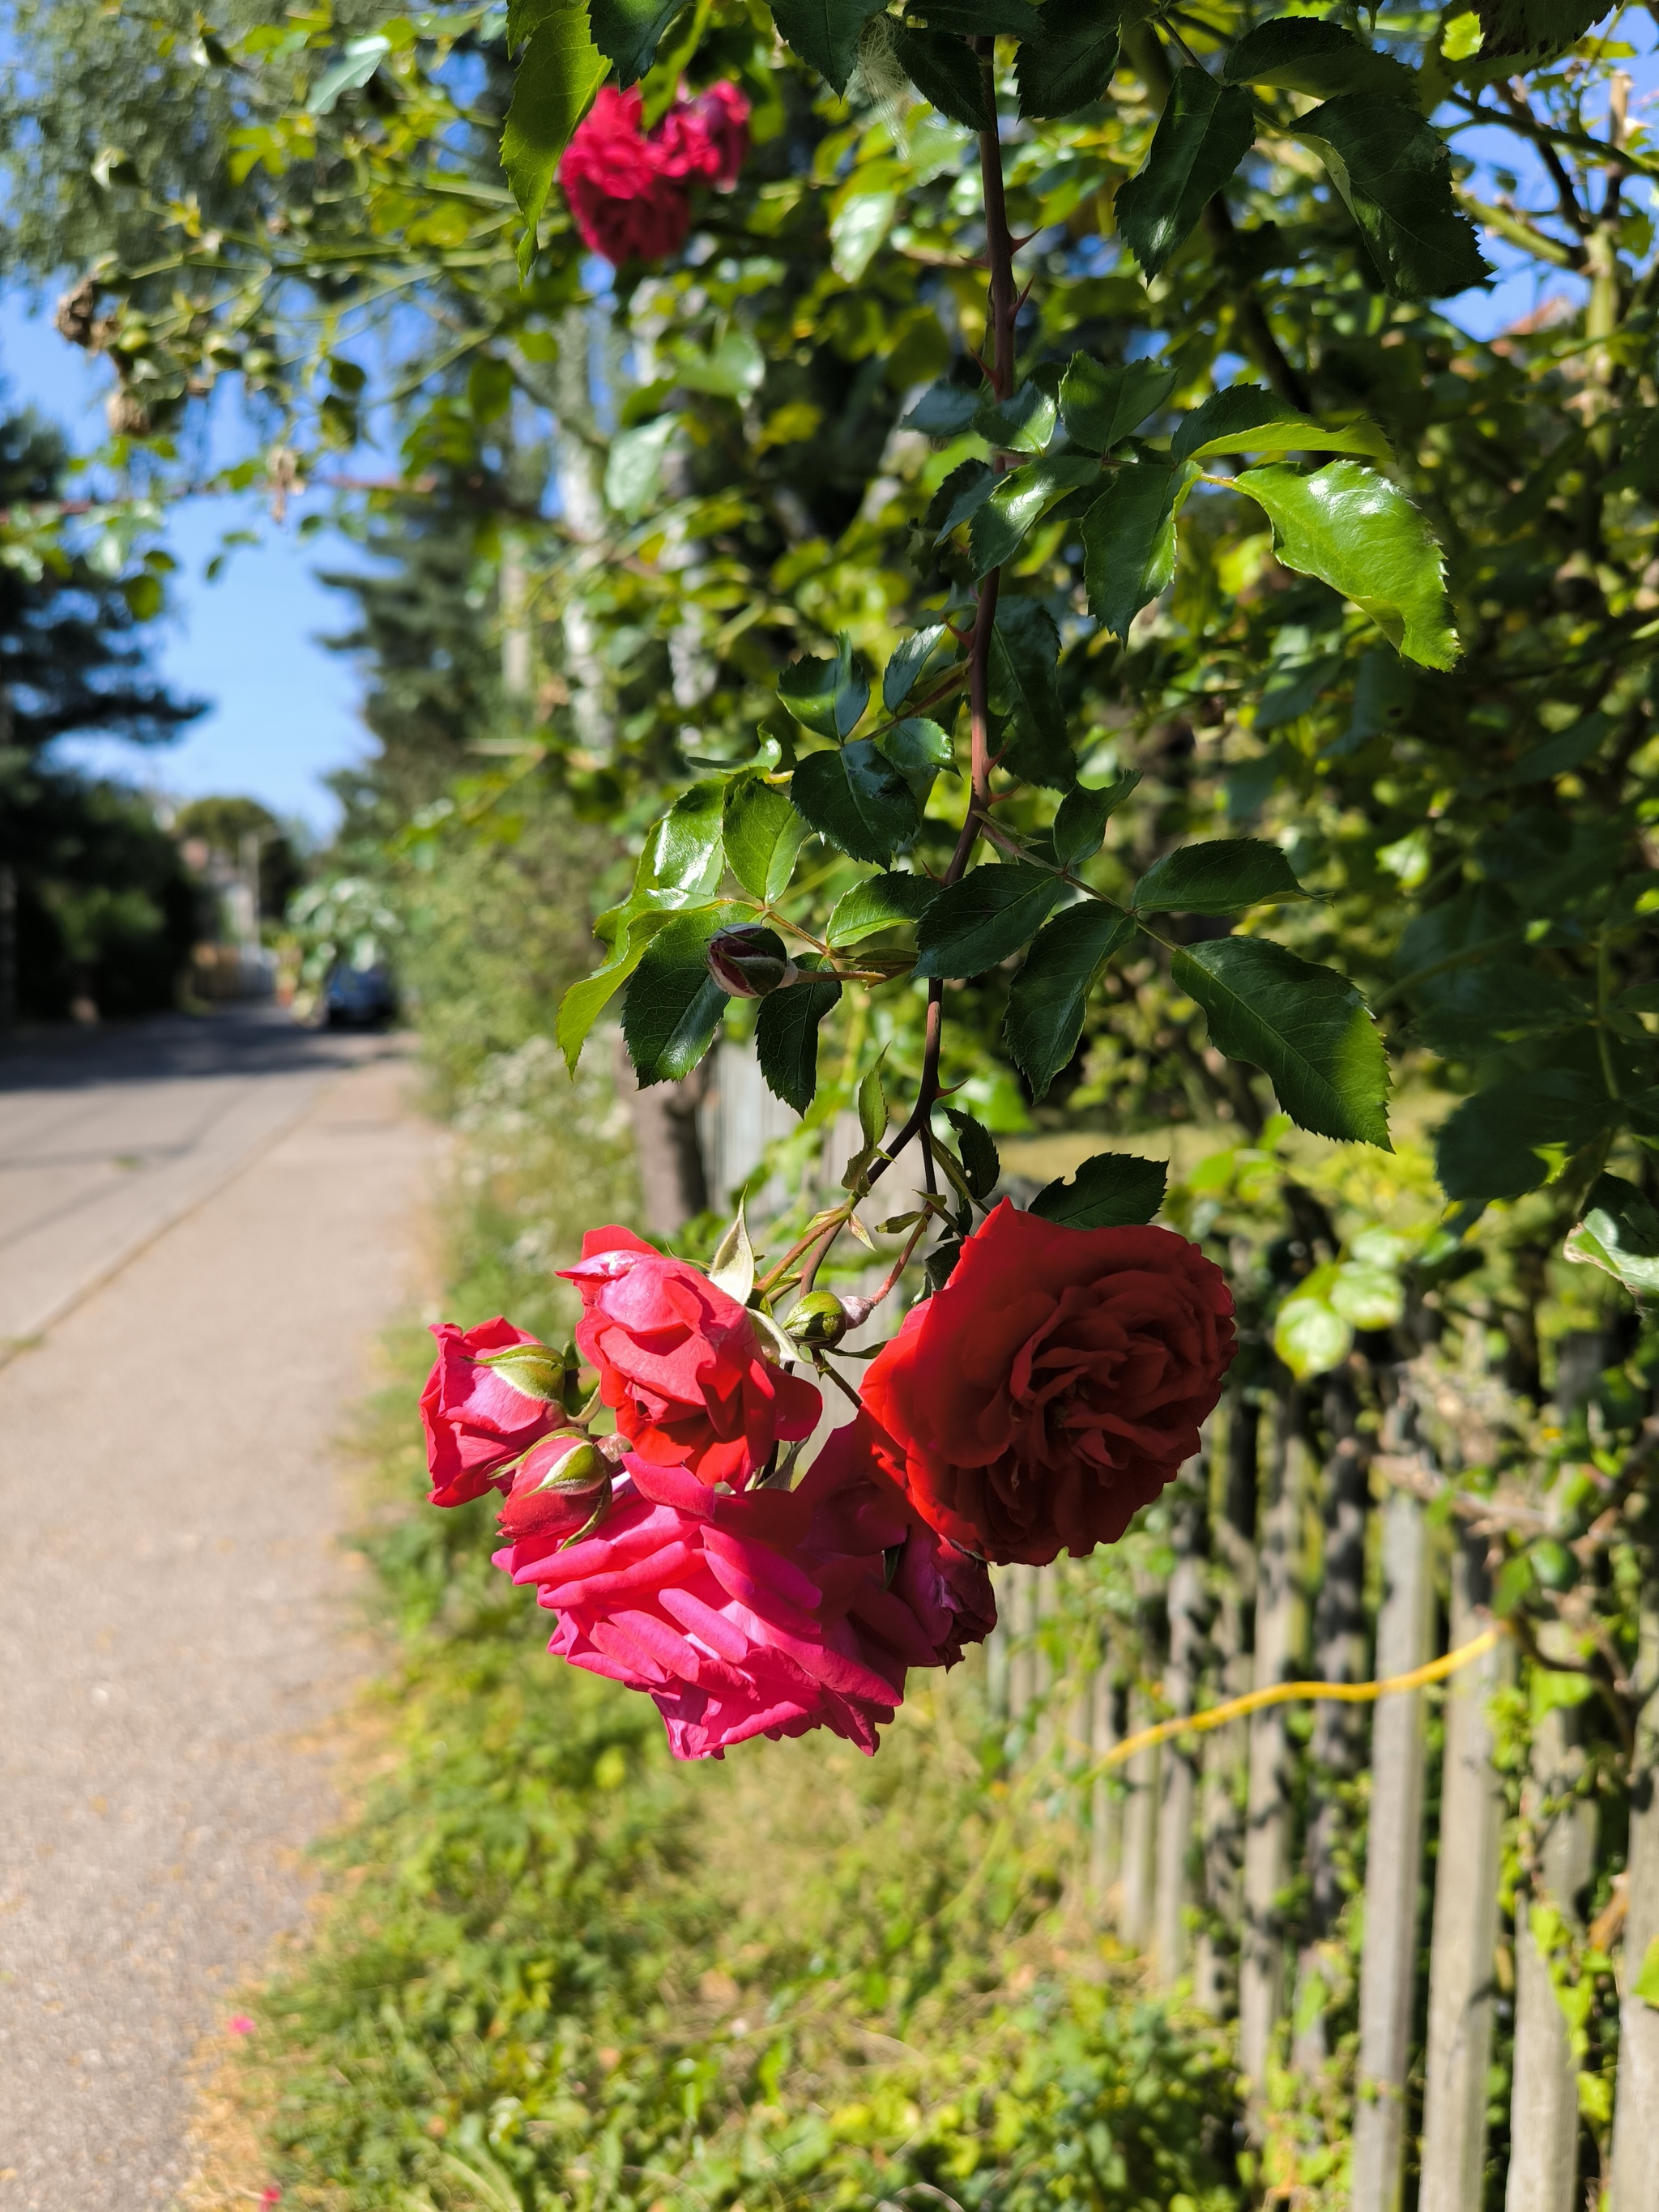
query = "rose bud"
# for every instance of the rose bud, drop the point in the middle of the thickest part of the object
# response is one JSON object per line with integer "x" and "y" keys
{"x": 819, "y": 1320}
{"x": 750, "y": 964}
{"x": 562, "y": 1482}
{"x": 537, "y": 1370}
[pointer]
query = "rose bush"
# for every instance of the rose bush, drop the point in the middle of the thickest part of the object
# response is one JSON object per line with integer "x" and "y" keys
{"x": 767, "y": 1613}
{"x": 681, "y": 1362}
{"x": 629, "y": 190}
{"x": 1053, "y": 1385}
{"x": 491, "y": 1393}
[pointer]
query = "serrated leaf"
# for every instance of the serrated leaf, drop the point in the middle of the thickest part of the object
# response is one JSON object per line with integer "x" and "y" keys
{"x": 1394, "y": 171}
{"x": 1024, "y": 670}
{"x": 872, "y": 1104}
{"x": 1310, "y": 1336}
{"x": 944, "y": 411}
{"x": 558, "y": 74}
{"x": 1496, "y": 1143}
{"x": 919, "y": 749}
{"x": 1360, "y": 534}
{"x": 825, "y": 34}
{"x": 858, "y": 800}
{"x": 884, "y": 902}
{"x": 1047, "y": 998}
{"x": 981, "y": 1164}
{"x": 586, "y": 1001}
{"x": 909, "y": 659}
{"x": 946, "y": 73}
{"x": 1244, "y": 418}
{"x": 1619, "y": 1233}
{"x": 1306, "y": 1028}
{"x": 1221, "y": 877}
{"x": 1470, "y": 1010}
{"x": 1079, "y": 824}
{"x": 828, "y": 697}
{"x": 685, "y": 849}
{"x": 731, "y": 1269}
{"x": 763, "y": 834}
{"x": 1068, "y": 63}
{"x": 1130, "y": 540}
{"x": 1297, "y": 53}
{"x": 940, "y": 1265}
{"x": 1101, "y": 403}
{"x": 673, "y": 1006}
{"x": 1110, "y": 1190}
{"x": 1204, "y": 133}
{"x": 628, "y": 32}
{"x": 1021, "y": 498}
{"x": 981, "y": 19}
{"x": 787, "y": 1038}
{"x": 1022, "y": 423}
{"x": 960, "y": 497}
{"x": 974, "y": 925}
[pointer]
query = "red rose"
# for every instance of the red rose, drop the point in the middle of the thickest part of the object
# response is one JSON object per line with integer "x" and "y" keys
{"x": 681, "y": 1363}
{"x": 764, "y": 1615}
{"x": 1054, "y": 1386}
{"x": 481, "y": 1407}
{"x": 629, "y": 193}
{"x": 560, "y": 1484}
{"x": 706, "y": 138}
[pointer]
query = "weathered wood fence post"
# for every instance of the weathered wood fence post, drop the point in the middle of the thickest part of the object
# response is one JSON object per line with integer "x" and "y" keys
{"x": 1636, "y": 2112}
{"x": 1103, "y": 1800}
{"x": 1178, "y": 1805}
{"x": 1393, "y": 1861}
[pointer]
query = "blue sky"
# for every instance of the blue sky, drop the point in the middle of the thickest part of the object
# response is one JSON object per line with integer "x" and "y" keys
{"x": 282, "y": 710}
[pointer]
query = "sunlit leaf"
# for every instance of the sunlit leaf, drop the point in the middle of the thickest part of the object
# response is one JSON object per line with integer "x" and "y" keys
{"x": 1111, "y": 1190}
{"x": 1047, "y": 997}
{"x": 1205, "y": 132}
{"x": 787, "y": 1038}
{"x": 974, "y": 925}
{"x": 857, "y": 798}
{"x": 1221, "y": 877}
{"x": 558, "y": 74}
{"x": 1130, "y": 540}
{"x": 1394, "y": 171}
{"x": 1101, "y": 402}
{"x": 1068, "y": 63}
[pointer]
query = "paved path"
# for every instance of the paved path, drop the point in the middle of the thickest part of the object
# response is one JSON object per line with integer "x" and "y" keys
{"x": 172, "y": 1615}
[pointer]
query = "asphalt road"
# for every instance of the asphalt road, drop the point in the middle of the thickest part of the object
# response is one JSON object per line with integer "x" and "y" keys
{"x": 202, "y": 1226}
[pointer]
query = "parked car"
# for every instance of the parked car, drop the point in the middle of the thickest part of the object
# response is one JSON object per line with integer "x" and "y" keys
{"x": 359, "y": 998}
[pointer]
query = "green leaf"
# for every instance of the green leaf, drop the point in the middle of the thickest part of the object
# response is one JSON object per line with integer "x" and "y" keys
{"x": 787, "y": 1038}
{"x": 884, "y": 902}
{"x": 628, "y": 32}
{"x": 1244, "y": 418}
{"x": 1204, "y": 133}
{"x": 633, "y": 468}
{"x": 829, "y": 697}
{"x": 1022, "y": 423}
{"x": 1305, "y": 1028}
{"x": 362, "y": 57}
{"x": 1360, "y": 534}
{"x": 560, "y": 71}
{"x": 1369, "y": 1296}
{"x": 763, "y": 833}
{"x": 1047, "y": 999}
{"x": 1495, "y": 1144}
{"x": 1026, "y": 686}
{"x": 960, "y": 497}
{"x": 981, "y": 19}
{"x": 909, "y": 658}
{"x": 685, "y": 849}
{"x": 825, "y": 34}
{"x": 945, "y": 409}
{"x": 1220, "y": 877}
{"x": 1619, "y": 1232}
{"x": 1080, "y": 824}
{"x": 857, "y": 229}
{"x": 1019, "y": 500}
{"x": 1646, "y": 1984}
{"x": 1100, "y": 403}
{"x": 1110, "y": 1190}
{"x": 1394, "y": 171}
{"x": 858, "y": 800}
{"x": 1310, "y": 1336}
{"x": 673, "y": 1006}
{"x": 1470, "y": 1010}
{"x": 872, "y": 1104}
{"x": 1537, "y": 29}
{"x": 918, "y": 749}
{"x": 981, "y": 1164}
{"x": 974, "y": 925}
{"x": 1068, "y": 63}
{"x": 947, "y": 73}
{"x": 1297, "y": 53}
{"x": 1130, "y": 540}
{"x": 586, "y": 1001}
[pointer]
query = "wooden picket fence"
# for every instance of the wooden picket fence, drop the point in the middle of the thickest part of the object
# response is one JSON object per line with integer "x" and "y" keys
{"x": 1383, "y": 1902}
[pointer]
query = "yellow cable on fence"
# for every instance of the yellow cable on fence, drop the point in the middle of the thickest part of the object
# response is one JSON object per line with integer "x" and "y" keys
{"x": 1285, "y": 1693}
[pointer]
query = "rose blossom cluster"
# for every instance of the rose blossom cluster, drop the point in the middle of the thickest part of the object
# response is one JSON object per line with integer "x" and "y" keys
{"x": 1032, "y": 1405}
{"x": 630, "y": 190}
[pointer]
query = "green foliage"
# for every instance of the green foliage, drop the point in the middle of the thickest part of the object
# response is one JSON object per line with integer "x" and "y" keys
{"x": 1204, "y": 133}
{"x": 1110, "y": 1191}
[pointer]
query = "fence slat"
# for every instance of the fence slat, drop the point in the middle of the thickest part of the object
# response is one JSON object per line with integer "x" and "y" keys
{"x": 1543, "y": 2104}
{"x": 1139, "y": 1832}
{"x": 1226, "y": 1749}
{"x": 1465, "y": 1941}
{"x": 1268, "y": 1809}
{"x": 1022, "y": 1626}
{"x": 1636, "y": 2114}
{"x": 1103, "y": 1800}
{"x": 1179, "y": 1793}
{"x": 1394, "y": 1858}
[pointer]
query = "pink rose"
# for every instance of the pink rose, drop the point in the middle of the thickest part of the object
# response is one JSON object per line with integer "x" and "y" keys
{"x": 560, "y": 1484}
{"x": 706, "y": 138}
{"x": 481, "y": 1407}
{"x": 628, "y": 194}
{"x": 681, "y": 1362}
{"x": 764, "y": 1615}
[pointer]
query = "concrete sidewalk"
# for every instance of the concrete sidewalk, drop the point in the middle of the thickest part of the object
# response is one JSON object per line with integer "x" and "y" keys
{"x": 174, "y": 1618}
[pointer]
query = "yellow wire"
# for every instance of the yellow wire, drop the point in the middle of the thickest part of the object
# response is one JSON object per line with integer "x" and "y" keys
{"x": 1285, "y": 1694}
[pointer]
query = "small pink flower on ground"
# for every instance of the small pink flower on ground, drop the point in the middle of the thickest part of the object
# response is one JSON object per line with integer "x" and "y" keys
{"x": 240, "y": 2024}
{"x": 270, "y": 2196}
